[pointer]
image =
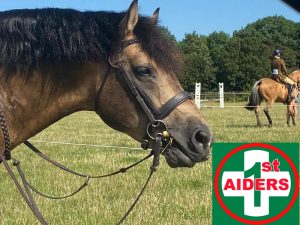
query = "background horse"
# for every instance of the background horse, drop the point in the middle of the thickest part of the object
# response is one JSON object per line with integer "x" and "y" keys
{"x": 271, "y": 91}
{"x": 54, "y": 62}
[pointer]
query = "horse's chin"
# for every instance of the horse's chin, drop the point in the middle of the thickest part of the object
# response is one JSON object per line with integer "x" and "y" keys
{"x": 176, "y": 158}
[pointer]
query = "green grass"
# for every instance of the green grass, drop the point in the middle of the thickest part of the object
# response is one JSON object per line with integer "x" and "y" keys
{"x": 174, "y": 196}
{"x": 236, "y": 124}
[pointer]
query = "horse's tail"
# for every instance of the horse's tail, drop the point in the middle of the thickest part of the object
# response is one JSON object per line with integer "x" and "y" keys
{"x": 254, "y": 99}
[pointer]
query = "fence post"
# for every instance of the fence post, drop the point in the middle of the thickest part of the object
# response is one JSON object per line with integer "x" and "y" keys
{"x": 198, "y": 95}
{"x": 221, "y": 95}
{"x": 298, "y": 105}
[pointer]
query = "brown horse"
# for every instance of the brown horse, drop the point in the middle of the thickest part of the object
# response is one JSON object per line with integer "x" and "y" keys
{"x": 272, "y": 91}
{"x": 54, "y": 62}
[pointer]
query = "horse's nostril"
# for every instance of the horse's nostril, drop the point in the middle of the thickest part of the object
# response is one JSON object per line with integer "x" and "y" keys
{"x": 198, "y": 137}
{"x": 200, "y": 143}
{"x": 201, "y": 137}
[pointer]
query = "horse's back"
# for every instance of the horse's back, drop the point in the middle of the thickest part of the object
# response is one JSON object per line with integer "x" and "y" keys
{"x": 271, "y": 90}
{"x": 268, "y": 84}
{"x": 271, "y": 83}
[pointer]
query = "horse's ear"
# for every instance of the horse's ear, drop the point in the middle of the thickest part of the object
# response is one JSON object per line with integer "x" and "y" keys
{"x": 130, "y": 19}
{"x": 154, "y": 16}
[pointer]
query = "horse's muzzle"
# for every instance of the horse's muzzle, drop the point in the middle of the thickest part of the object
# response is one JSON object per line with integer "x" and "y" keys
{"x": 190, "y": 146}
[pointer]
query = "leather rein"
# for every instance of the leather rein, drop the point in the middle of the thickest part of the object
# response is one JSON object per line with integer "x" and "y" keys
{"x": 157, "y": 131}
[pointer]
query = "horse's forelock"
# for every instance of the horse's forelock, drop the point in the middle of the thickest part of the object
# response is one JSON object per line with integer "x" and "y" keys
{"x": 159, "y": 46}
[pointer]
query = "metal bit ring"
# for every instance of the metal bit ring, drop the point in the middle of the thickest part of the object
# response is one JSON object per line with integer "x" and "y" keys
{"x": 155, "y": 124}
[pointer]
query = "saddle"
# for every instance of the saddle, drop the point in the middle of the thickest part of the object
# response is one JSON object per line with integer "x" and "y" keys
{"x": 284, "y": 83}
{"x": 290, "y": 88}
{"x": 276, "y": 78}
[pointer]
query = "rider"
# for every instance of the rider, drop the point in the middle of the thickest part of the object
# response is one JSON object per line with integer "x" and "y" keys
{"x": 279, "y": 72}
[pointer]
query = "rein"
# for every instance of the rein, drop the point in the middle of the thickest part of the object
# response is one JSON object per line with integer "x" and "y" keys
{"x": 157, "y": 132}
{"x": 27, "y": 187}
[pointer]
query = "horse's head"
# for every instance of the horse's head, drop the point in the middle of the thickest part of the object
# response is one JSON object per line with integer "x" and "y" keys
{"x": 152, "y": 64}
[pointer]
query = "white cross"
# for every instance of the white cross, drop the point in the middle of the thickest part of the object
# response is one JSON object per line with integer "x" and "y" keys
{"x": 250, "y": 158}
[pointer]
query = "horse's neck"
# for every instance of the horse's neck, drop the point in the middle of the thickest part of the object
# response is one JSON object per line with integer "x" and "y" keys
{"x": 31, "y": 106}
{"x": 295, "y": 76}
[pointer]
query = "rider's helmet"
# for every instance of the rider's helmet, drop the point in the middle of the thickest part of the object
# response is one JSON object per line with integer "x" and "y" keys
{"x": 277, "y": 52}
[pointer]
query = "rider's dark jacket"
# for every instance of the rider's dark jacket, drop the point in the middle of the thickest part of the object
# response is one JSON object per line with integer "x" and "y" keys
{"x": 278, "y": 68}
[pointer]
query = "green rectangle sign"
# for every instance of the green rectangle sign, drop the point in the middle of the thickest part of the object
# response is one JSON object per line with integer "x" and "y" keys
{"x": 255, "y": 183}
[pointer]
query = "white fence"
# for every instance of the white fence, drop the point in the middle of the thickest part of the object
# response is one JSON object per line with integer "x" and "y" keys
{"x": 219, "y": 99}
{"x": 198, "y": 94}
{"x": 209, "y": 99}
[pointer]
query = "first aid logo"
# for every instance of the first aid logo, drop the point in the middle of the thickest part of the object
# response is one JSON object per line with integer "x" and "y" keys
{"x": 255, "y": 184}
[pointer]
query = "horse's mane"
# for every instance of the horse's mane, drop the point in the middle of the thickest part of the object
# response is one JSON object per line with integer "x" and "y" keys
{"x": 296, "y": 71}
{"x": 31, "y": 38}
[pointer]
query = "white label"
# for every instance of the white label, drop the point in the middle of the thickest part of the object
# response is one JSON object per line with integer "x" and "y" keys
{"x": 275, "y": 71}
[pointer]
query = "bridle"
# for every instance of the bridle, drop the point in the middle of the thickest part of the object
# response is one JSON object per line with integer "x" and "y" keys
{"x": 155, "y": 115}
{"x": 156, "y": 131}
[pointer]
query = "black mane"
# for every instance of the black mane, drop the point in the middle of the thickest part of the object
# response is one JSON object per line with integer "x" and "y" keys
{"x": 30, "y": 38}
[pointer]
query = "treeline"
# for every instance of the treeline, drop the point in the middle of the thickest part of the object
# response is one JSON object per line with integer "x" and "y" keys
{"x": 241, "y": 59}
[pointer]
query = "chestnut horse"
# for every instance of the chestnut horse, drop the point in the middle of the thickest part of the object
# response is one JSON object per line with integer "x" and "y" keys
{"x": 272, "y": 91}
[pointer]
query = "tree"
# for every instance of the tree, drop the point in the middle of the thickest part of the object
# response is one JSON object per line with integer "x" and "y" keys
{"x": 241, "y": 59}
{"x": 216, "y": 43}
{"x": 198, "y": 63}
{"x": 167, "y": 32}
{"x": 229, "y": 68}
{"x": 279, "y": 32}
{"x": 248, "y": 53}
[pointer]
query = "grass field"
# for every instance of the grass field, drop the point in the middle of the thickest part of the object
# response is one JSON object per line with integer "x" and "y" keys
{"x": 174, "y": 196}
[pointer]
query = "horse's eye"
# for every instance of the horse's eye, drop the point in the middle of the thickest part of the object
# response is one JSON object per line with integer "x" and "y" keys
{"x": 142, "y": 71}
